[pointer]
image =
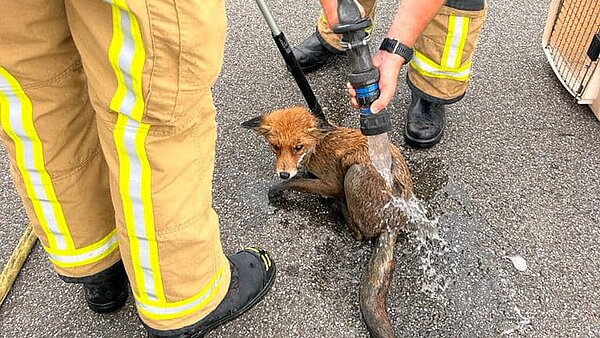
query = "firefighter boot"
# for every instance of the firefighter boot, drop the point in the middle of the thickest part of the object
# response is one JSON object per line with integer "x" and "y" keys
{"x": 252, "y": 276}
{"x": 313, "y": 52}
{"x": 425, "y": 123}
{"x": 108, "y": 290}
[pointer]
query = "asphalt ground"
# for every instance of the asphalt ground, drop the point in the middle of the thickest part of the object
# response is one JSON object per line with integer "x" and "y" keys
{"x": 517, "y": 173}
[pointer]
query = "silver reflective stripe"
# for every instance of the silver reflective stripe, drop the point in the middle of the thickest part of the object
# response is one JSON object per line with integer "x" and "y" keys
{"x": 455, "y": 43}
{"x": 74, "y": 259}
{"x": 39, "y": 192}
{"x": 176, "y": 310}
{"x": 135, "y": 193}
{"x": 132, "y": 156}
{"x": 125, "y": 64}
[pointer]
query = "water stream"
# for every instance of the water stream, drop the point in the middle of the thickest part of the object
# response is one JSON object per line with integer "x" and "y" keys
{"x": 379, "y": 151}
{"x": 425, "y": 241}
{"x": 423, "y": 235}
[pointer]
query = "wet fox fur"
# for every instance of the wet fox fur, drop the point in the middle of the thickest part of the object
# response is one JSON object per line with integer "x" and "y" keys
{"x": 338, "y": 164}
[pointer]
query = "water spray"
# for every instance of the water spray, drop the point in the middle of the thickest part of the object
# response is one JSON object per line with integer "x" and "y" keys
{"x": 364, "y": 78}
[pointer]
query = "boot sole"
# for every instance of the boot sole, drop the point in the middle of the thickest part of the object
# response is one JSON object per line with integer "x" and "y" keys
{"x": 243, "y": 310}
{"x": 419, "y": 143}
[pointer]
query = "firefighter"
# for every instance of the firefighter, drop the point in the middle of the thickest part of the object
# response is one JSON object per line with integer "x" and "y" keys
{"x": 106, "y": 114}
{"x": 437, "y": 38}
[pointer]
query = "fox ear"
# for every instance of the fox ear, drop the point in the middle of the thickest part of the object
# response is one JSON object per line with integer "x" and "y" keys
{"x": 256, "y": 125}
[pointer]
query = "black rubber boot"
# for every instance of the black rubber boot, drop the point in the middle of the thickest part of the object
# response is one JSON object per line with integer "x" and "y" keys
{"x": 105, "y": 291}
{"x": 425, "y": 123}
{"x": 313, "y": 52}
{"x": 252, "y": 276}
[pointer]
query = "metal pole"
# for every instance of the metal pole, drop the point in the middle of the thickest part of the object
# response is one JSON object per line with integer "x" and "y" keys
{"x": 286, "y": 51}
{"x": 268, "y": 17}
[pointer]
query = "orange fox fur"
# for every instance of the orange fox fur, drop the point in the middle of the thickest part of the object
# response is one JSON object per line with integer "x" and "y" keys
{"x": 338, "y": 162}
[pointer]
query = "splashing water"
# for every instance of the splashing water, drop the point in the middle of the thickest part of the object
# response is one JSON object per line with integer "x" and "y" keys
{"x": 423, "y": 234}
{"x": 379, "y": 151}
{"x": 424, "y": 240}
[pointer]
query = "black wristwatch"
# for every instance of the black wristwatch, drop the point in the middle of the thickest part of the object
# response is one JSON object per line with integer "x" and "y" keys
{"x": 397, "y": 47}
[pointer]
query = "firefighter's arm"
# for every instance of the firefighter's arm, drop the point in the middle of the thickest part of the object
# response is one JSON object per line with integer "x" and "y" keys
{"x": 411, "y": 19}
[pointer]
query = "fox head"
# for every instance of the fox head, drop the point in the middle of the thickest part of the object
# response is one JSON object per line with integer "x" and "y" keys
{"x": 292, "y": 133}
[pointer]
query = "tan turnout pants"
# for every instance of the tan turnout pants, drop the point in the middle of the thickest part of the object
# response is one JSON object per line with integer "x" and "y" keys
{"x": 106, "y": 113}
{"x": 441, "y": 67}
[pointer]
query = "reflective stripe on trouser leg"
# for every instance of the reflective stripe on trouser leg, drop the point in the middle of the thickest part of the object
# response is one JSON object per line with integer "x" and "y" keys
{"x": 159, "y": 144}
{"x": 440, "y": 69}
{"x": 48, "y": 129}
{"x": 127, "y": 57}
{"x": 17, "y": 121}
{"x": 333, "y": 39}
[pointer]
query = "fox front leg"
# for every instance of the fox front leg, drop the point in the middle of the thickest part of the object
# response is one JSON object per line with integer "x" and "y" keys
{"x": 311, "y": 185}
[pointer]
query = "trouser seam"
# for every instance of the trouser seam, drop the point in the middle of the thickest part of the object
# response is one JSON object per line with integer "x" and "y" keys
{"x": 76, "y": 63}
{"x": 72, "y": 171}
{"x": 157, "y": 130}
{"x": 182, "y": 225}
{"x": 79, "y": 167}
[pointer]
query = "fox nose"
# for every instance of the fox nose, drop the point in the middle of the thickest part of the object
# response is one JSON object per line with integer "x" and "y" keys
{"x": 284, "y": 174}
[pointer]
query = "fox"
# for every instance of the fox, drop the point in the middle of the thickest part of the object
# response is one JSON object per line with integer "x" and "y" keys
{"x": 316, "y": 156}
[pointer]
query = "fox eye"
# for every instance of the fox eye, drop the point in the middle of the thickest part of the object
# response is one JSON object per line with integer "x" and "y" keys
{"x": 298, "y": 147}
{"x": 276, "y": 148}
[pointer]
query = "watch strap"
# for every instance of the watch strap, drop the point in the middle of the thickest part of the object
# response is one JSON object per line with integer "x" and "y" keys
{"x": 397, "y": 47}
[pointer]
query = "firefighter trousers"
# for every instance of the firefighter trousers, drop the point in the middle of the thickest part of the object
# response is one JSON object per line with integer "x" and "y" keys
{"x": 106, "y": 114}
{"x": 441, "y": 67}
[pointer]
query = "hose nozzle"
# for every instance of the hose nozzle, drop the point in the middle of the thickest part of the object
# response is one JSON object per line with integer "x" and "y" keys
{"x": 363, "y": 76}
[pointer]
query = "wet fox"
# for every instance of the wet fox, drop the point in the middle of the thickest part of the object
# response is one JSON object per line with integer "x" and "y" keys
{"x": 337, "y": 165}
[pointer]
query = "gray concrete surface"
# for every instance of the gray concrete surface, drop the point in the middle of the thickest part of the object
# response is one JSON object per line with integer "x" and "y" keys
{"x": 517, "y": 173}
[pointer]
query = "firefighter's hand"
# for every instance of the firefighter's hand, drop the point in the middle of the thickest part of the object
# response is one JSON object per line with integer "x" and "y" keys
{"x": 389, "y": 68}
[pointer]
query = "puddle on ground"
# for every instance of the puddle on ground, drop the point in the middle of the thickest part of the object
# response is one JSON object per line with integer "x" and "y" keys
{"x": 429, "y": 177}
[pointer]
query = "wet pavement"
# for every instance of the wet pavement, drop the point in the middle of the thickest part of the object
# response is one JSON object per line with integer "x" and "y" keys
{"x": 517, "y": 173}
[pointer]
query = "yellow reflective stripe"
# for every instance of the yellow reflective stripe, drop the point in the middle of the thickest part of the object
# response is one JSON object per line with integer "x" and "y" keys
{"x": 463, "y": 41}
{"x": 265, "y": 257}
{"x": 127, "y": 56}
{"x": 265, "y": 261}
{"x": 449, "y": 38}
{"x": 86, "y": 255}
{"x": 164, "y": 310}
{"x": 458, "y": 29}
{"x": 113, "y": 56}
{"x": 428, "y": 67}
{"x": 16, "y": 118}
{"x": 430, "y": 63}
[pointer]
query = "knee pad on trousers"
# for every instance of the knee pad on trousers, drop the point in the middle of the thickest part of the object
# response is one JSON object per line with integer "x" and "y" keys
{"x": 466, "y": 5}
